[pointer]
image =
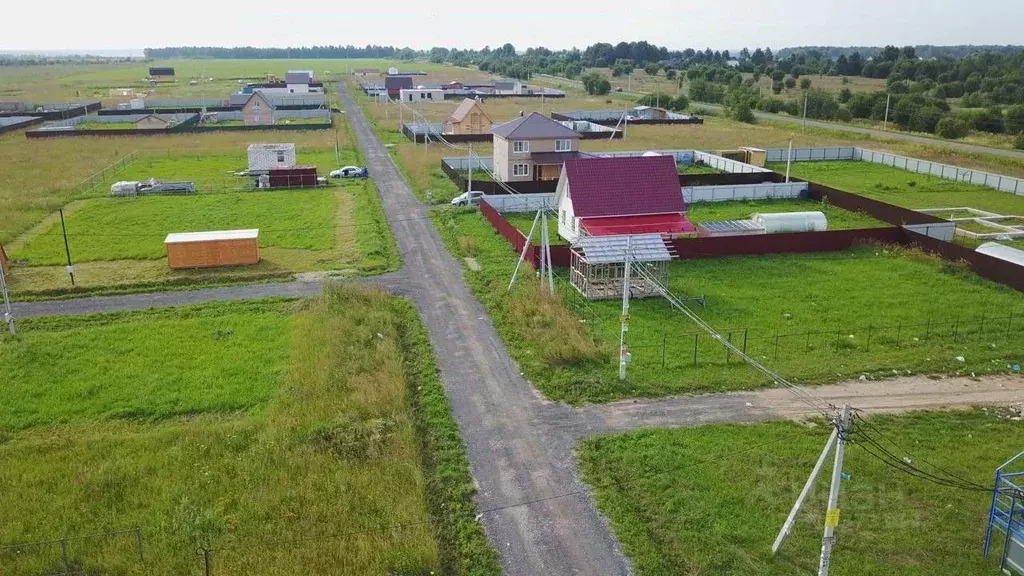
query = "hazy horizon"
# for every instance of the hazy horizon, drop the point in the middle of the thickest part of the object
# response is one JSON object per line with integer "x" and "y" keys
{"x": 676, "y": 25}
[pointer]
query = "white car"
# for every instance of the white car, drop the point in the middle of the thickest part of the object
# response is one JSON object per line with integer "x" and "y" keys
{"x": 350, "y": 172}
{"x": 468, "y": 198}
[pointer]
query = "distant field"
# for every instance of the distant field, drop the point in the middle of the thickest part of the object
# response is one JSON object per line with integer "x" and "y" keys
{"x": 904, "y": 188}
{"x": 700, "y": 501}
{"x": 837, "y": 315}
{"x": 269, "y": 432}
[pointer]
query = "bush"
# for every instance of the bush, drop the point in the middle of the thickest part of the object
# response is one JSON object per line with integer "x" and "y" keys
{"x": 741, "y": 112}
{"x": 790, "y": 82}
{"x": 805, "y": 83}
{"x": 843, "y": 114}
{"x": 1018, "y": 142}
{"x": 952, "y": 127}
{"x": 704, "y": 91}
{"x": 925, "y": 119}
{"x": 1015, "y": 119}
{"x": 670, "y": 74}
{"x": 679, "y": 103}
{"x": 777, "y": 87}
{"x": 989, "y": 120}
{"x": 845, "y": 95}
{"x": 595, "y": 84}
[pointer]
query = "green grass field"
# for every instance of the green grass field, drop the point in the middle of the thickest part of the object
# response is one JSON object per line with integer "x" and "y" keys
{"x": 240, "y": 427}
{"x": 134, "y": 228}
{"x": 106, "y": 126}
{"x": 145, "y": 366}
{"x": 867, "y": 311}
{"x": 710, "y": 501}
{"x": 893, "y": 185}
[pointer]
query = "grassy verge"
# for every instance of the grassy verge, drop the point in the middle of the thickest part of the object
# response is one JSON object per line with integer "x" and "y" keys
{"x": 817, "y": 318}
{"x": 343, "y": 459}
{"x": 710, "y": 500}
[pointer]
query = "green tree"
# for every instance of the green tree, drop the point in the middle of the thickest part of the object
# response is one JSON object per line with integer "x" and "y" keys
{"x": 1015, "y": 119}
{"x": 777, "y": 87}
{"x": 1018, "y": 142}
{"x": 790, "y": 83}
{"x": 670, "y": 74}
{"x": 952, "y": 127}
{"x": 805, "y": 83}
{"x": 845, "y": 95}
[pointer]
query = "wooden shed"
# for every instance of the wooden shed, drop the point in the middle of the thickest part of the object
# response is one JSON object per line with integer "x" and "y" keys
{"x": 212, "y": 249}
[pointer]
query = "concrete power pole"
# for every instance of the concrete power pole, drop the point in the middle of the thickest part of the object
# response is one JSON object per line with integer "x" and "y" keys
{"x": 805, "y": 112}
{"x": 624, "y": 319}
{"x": 838, "y": 441}
{"x": 886, "y": 121}
{"x": 8, "y": 316}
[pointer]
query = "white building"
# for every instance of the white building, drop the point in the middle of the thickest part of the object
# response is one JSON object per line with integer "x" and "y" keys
{"x": 421, "y": 95}
{"x": 263, "y": 157}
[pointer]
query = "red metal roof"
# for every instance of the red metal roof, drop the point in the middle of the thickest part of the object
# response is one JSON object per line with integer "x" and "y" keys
{"x": 654, "y": 224}
{"x": 630, "y": 186}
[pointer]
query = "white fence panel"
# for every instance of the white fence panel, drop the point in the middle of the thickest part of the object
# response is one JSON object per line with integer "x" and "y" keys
{"x": 520, "y": 202}
{"x": 726, "y": 193}
{"x": 811, "y": 154}
{"x": 462, "y": 162}
{"x": 725, "y": 164}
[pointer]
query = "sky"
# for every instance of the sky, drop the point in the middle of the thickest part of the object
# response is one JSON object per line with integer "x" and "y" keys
{"x": 678, "y": 24}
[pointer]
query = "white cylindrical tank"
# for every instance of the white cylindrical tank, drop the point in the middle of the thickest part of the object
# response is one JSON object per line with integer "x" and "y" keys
{"x": 792, "y": 222}
{"x": 1003, "y": 252}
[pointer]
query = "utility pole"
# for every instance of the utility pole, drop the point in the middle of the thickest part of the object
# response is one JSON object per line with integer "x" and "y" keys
{"x": 828, "y": 539}
{"x": 522, "y": 255}
{"x": 624, "y": 319}
{"x": 8, "y": 316}
{"x": 67, "y": 251}
{"x": 789, "y": 159}
{"x": 838, "y": 441}
{"x": 805, "y": 112}
{"x": 546, "y": 247}
{"x": 469, "y": 181}
{"x": 886, "y": 121}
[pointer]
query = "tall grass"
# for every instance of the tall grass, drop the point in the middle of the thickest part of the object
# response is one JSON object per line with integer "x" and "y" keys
{"x": 353, "y": 465}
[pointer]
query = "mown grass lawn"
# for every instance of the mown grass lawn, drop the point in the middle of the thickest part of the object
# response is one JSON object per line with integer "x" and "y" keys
{"x": 893, "y": 185}
{"x": 709, "y": 501}
{"x": 104, "y": 229}
{"x": 146, "y": 366}
{"x": 838, "y": 315}
{"x": 279, "y": 434}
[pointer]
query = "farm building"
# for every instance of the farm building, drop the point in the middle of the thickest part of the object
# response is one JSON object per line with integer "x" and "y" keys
{"x": 508, "y": 87}
{"x": 532, "y": 147}
{"x": 258, "y": 110}
{"x": 266, "y": 157}
{"x": 395, "y": 84}
{"x": 161, "y": 73}
{"x": 624, "y": 195}
{"x": 212, "y": 249}
{"x": 421, "y": 95}
{"x": 298, "y": 81}
{"x": 469, "y": 118}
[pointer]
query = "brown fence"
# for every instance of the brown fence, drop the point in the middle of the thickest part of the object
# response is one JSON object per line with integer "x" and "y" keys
{"x": 560, "y": 255}
{"x": 728, "y": 179}
{"x": 895, "y": 215}
{"x": 984, "y": 265}
{"x": 183, "y": 126}
{"x": 828, "y": 241}
{"x": 636, "y": 122}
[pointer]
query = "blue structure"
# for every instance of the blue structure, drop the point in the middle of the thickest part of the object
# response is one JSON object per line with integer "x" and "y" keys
{"x": 1006, "y": 517}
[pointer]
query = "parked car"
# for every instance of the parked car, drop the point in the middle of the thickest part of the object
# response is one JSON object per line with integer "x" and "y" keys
{"x": 468, "y": 198}
{"x": 350, "y": 172}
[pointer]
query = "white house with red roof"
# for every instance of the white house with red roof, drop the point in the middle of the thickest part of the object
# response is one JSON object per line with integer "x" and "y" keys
{"x": 628, "y": 195}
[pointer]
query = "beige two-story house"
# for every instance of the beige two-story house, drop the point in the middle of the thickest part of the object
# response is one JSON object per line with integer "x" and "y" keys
{"x": 532, "y": 147}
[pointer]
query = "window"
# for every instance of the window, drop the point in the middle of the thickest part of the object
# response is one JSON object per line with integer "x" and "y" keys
{"x": 256, "y": 118}
{"x": 256, "y": 103}
{"x": 430, "y": 95}
{"x": 520, "y": 169}
{"x": 280, "y": 155}
{"x": 520, "y": 146}
{"x": 563, "y": 145}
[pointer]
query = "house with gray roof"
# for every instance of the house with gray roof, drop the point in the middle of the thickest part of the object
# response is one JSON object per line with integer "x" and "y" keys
{"x": 533, "y": 147}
